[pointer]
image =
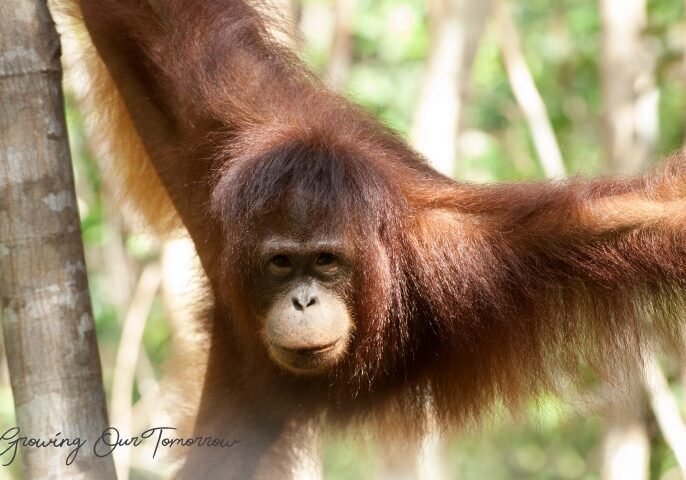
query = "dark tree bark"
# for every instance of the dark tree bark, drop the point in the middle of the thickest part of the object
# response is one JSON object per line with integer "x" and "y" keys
{"x": 48, "y": 324}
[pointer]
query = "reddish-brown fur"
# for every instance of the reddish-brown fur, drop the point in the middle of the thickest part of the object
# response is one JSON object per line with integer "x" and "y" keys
{"x": 464, "y": 294}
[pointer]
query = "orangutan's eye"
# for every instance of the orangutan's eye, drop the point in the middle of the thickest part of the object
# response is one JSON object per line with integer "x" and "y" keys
{"x": 280, "y": 265}
{"x": 327, "y": 263}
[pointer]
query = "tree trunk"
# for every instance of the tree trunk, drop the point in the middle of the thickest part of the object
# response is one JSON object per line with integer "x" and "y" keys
{"x": 630, "y": 127}
{"x": 458, "y": 26}
{"x": 48, "y": 325}
{"x": 626, "y": 449}
{"x": 341, "y": 50}
{"x": 630, "y": 96}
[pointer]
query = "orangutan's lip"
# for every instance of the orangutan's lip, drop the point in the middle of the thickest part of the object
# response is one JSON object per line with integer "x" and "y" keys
{"x": 309, "y": 350}
{"x": 307, "y": 359}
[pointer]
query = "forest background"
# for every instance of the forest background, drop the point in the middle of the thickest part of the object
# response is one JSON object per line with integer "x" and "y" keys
{"x": 488, "y": 90}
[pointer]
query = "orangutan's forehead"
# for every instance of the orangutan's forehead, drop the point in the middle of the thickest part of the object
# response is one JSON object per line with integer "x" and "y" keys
{"x": 296, "y": 214}
{"x": 302, "y": 227}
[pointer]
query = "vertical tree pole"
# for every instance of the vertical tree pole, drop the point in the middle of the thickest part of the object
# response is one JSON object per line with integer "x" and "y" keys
{"x": 457, "y": 27}
{"x": 48, "y": 324}
{"x": 630, "y": 132}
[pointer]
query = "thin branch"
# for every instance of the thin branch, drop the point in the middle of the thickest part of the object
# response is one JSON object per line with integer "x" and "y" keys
{"x": 127, "y": 358}
{"x": 341, "y": 51}
{"x": 528, "y": 96}
{"x": 666, "y": 409}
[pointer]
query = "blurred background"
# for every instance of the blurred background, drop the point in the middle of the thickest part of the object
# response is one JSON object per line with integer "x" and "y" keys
{"x": 488, "y": 90}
